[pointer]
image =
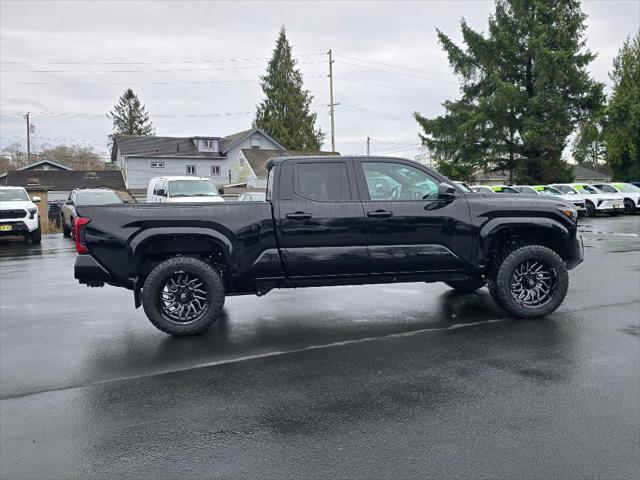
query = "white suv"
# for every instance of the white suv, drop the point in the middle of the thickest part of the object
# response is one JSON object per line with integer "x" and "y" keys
{"x": 630, "y": 193}
{"x": 576, "y": 200}
{"x": 596, "y": 201}
{"x": 18, "y": 214}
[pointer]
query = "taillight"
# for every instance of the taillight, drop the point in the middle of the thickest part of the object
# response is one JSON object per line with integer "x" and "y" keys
{"x": 79, "y": 234}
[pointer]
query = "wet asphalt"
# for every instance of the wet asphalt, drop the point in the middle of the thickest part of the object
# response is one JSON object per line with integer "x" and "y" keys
{"x": 390, "y": 381}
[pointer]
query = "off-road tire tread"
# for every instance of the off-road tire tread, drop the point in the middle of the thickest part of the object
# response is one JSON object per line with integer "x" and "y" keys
{"x": 500, "y": 273}
{"x": 207, "y": 272}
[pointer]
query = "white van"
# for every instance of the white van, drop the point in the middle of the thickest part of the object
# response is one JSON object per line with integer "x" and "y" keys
{"x": 182, "y": 189}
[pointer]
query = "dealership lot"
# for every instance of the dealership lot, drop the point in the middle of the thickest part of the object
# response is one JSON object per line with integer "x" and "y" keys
{"x": 407, "y": 380}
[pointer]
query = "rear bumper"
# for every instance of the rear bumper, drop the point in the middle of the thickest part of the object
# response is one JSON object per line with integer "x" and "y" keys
{"x": 577, "y": 252}
{"x": 89, "y": 272}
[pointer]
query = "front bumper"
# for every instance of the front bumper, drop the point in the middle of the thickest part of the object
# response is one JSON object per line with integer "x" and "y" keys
{"x": 18, "y": 226}
{"x": 577, "y": 252}
{"x": 610, "y": 206}
{"x": 89, "y": 272}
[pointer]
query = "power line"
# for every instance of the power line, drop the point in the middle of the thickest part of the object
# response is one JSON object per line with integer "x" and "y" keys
{"x": 374, "y": 115}
{"x": 394, "y": 150}
{"x": 357, "y": 59}
{"x": 153, "y": 62}
{"x": 378, "y": 85}
{"x": 397, "y": 73}
{"x": 164, "y": 70}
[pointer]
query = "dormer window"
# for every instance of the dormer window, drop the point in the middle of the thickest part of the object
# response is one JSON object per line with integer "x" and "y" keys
{"x": 256, "y": 143}
{"x": 208, "y": 144}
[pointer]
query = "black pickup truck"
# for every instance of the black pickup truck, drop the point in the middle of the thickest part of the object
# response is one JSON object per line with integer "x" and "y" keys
{"x": 331, "y": 221}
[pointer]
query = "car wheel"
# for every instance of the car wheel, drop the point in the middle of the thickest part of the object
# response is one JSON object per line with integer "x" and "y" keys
{"x": 531, "y": 282}
{"x": 629, "y": 206}
{"x": 591, "y": 209}
{"x": 467, "y": 286}
{"x": 36, "y": 235}
{"x": 183, "y": 296}
{"x": 66, "y": 231}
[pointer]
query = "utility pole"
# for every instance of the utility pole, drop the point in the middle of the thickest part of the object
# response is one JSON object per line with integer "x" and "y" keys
{"x": 331, "y": 104}
{"x": 28, "y": 137}
{"x": 368, "y": 145}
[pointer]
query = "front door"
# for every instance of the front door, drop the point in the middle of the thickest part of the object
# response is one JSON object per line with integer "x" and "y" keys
{"x": 321, "y": 222}
{"x": 410, "y": 229}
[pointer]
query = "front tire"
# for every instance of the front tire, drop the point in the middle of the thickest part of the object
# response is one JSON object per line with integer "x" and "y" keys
{"x": 467, "y": 286}
{"x": 183, "y": 296}
{"x": 36, "y": 235}
{"x": 629, "y": 206}
{"x": 530, "y": 282}
{"x": 66, "y": 231}
{"x": 591, "y": 209}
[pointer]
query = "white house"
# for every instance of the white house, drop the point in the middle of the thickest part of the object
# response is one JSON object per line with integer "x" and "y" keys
{"x": 142, "y": 158}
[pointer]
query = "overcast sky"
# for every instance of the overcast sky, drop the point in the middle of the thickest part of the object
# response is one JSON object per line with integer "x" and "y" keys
{"x": 196, "y": 64}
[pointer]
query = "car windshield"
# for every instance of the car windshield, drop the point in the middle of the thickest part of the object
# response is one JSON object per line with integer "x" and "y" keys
{"x": 13, "y": 195}
{"x": 587, "y": 189}
{"x": 626, "y": 188}
{"x": 545, "y": 190}
{"x": 527, "y": 190}
{"x": 504, "y": 190}
{"x": 465, "y": 188}
{"x": 192, "y": 188}
{"x": 97, "y": 198}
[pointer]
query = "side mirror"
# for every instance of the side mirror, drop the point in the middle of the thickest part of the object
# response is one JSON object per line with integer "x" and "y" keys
{"x": 447, "y": 191}
{"x": 36, "y": 199}
{"x": 68, "y": 202}
{"x": 161, "y": 193}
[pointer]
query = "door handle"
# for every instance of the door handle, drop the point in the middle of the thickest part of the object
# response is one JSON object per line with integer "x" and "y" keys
{"x": 298, "y": 216}
{"x": 380, "y": 214}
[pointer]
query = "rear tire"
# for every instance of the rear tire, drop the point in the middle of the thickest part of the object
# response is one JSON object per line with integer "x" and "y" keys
{"x": 36, "y": 235}
{"x": 591, "y": 209}
{"x": 183, "y": 296}
{"x": 530, "y": 281}
{"x": 467, "y": 286}
{"x": 66, "y": 231}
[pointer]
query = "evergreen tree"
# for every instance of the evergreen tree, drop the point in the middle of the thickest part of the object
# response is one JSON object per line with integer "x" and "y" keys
{"x": 285, "y": 112}
{"x": 130, "y": 116}
{"x": 589, "y": 146}
{"x": 524, "y": 88}
{"x": 622, "y": 132}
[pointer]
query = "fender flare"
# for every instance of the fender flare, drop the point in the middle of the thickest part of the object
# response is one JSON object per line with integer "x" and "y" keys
{"x": 226, "y": 245}
{"x": 495, "y": 226}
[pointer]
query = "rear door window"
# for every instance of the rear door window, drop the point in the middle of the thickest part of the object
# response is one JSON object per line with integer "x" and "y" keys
{"x": 323, "y": 182}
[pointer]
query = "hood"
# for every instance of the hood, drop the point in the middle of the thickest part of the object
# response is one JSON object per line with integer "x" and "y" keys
{"x": 196, "y": 200}
{"x": 17, "y": 205}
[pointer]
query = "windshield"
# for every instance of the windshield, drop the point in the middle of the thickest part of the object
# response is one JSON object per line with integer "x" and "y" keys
{"x": 527, "y": 190}
{"x": 587, "y": 189}
{"x": 13, "y": 195}
{"x": 97, "y": 198}
{"x": 626, "y": 188}
{"x": 545, "y": 190}
{"x": 504, "y": 190}
{"x": 192, "y": 188}
{"x": 465, "y": 188}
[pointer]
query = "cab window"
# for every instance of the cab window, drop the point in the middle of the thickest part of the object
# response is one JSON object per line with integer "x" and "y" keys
{"x": 398, "y": 182}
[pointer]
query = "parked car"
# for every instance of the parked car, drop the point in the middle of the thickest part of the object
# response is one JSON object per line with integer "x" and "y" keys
{"x": 629, "y": 192}
{"x": 86, "y": 196}
{"x": 493, "y": 189}
{"x": 325, "y": 222}
{"x": 182, "y": 189}
{"x": 577, "y": 200}
{"x": 464, "y": 186}
{"x": 252, "y": 197}
{"x": 19, "y": 214}
{"x": 596, "y": 201}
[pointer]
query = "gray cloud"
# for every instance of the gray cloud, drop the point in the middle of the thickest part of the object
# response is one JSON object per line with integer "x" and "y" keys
{"x": 180, "y": 36}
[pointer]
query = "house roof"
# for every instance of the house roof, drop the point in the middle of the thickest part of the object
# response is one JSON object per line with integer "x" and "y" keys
{"x": 230, "y": 141}
{"x": 137, "y": 145}
{"x": 35, "y": 165}
{"x": 259, "y": 158}
{"x": 66, "y": 180}
{"x": 601, "y": 173}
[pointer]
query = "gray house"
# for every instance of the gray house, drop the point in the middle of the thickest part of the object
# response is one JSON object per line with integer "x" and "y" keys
{"x": 142, "y": 158}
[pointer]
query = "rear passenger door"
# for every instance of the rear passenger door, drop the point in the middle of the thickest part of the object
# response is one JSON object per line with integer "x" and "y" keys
{"x": 321, "y": 222}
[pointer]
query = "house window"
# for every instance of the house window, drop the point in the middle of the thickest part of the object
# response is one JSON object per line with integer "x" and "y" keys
{"x": 215, "y": 170}
{"x": 256, "y": 143}
{"x": 191, "y": 169}
{"x": 208, "y": 144}
{"x": 157, "y": 164}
